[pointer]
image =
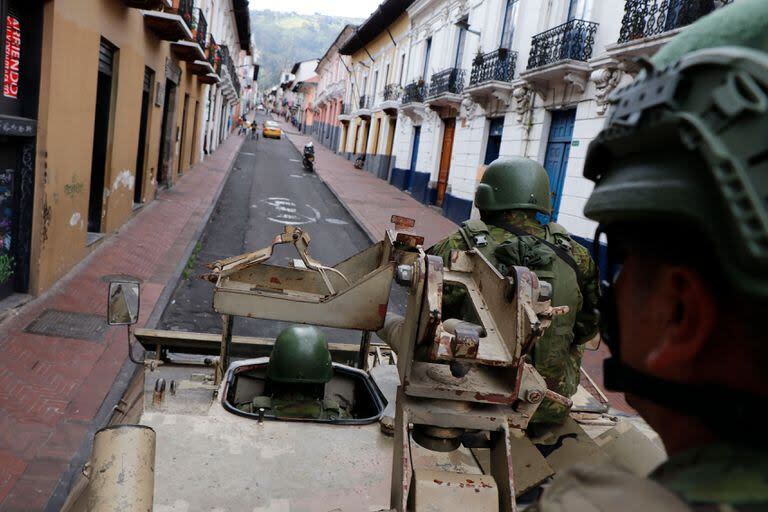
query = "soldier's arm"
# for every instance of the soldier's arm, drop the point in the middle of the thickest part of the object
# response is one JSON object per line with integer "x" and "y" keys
{"x": 587, "y": 319}
{"x": 445, "y": 246}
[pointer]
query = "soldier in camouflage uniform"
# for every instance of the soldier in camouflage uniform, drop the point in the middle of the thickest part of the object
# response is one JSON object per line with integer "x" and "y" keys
{"x": 681, "y": 193}
{"x": 510, "y": 195}
{"x": 299, "y": 368}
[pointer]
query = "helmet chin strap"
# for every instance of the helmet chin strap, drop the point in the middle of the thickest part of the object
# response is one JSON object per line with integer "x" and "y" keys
{"x": 728, "y": 412}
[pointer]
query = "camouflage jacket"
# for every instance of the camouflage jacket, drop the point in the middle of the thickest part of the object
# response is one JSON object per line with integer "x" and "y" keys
{"x": 557, "y": 356}
{"x": 719, "y": 477}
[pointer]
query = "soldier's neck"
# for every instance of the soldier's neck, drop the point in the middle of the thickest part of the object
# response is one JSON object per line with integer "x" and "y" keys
{"x": 678, "y": 432}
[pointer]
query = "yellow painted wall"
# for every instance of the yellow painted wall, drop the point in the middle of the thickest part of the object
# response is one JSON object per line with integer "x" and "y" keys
{"x": 381, "y": 48}
{"x": 72, "y": 33}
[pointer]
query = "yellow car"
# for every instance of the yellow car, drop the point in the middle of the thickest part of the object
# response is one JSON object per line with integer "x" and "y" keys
{"x": 272, "y": 130}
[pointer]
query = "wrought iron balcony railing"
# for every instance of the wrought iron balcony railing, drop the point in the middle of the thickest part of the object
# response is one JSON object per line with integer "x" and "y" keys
{"x": 392, "y": 92}
{"x": 449, "y": 81}
{"x": 645, "y": 18}
{"x": 572, "y": 40}
{"x": 201, "y": 31}
{"x": 227, "y": 61}
{"x": 346, "y": 109}
{"x": 414, "y": 92}
{"x": 214, "y": 56}
{"x": 498, "y": 65}
{"x": 364, "y": 102}
{"x": 186, "y": 9}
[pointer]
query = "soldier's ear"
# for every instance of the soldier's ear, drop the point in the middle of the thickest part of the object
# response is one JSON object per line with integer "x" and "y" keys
{"x": 687, "y": 311}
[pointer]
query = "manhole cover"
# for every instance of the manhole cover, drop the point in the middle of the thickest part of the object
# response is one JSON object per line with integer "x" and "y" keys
{"x": 67, "y": 324}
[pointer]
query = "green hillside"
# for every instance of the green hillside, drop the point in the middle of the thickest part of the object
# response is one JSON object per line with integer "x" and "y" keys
{"x": 283, "y": 38}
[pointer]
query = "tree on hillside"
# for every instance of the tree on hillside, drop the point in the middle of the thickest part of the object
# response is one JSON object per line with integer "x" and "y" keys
{"x": 282, "y": 38}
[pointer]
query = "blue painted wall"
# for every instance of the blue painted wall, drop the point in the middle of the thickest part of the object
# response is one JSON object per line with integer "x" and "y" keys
{"x": 420, "y": 187}
{"x": 457, "y": 209}
{"x": 399, "y": 177}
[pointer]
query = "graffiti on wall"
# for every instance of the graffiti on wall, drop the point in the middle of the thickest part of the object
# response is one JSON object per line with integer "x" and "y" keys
{"x": 6, "y": 224}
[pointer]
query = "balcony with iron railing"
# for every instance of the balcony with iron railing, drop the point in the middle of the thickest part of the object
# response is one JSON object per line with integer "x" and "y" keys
{"x": 174, "y": 23}
{"x": 445, "y": 88}
{"x": 492, "y": 75}
{"x": 147, "y": 4}
{"x": 194, "y": 50}
{"x": 448, "y": 81}
{"x": 573, "y": 40}
{"x": 414, "y": 92}
{"x": 392, "y": 92}
{"x": 226, "y": 61}
{"x": 649, "y": 18}
{"x": 364, "y": 103}
{"x": 496, "y": 66}
{"x": 560, "y": 55}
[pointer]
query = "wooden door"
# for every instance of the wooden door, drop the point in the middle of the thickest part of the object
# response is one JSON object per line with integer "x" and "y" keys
{"x": 445, "y": 159}
{"x": 558, "y": 151}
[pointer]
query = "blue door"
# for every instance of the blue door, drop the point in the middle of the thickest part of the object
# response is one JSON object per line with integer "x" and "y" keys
{"x": 414, "y": 156}
{"x": 558, "y": 149}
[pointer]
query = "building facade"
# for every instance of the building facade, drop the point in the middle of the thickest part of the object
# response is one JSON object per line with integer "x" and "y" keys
{"x": 503, "y": 78}
{"x": 332, "y": 90}
{"x": 485, "y": 79}
{"x": 110, "y": 101}
{"x": 377, "y": 66}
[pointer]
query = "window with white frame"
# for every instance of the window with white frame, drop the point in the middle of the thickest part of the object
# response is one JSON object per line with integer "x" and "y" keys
{"x": 511, "y": 10}
{"x": 461, "y": 41}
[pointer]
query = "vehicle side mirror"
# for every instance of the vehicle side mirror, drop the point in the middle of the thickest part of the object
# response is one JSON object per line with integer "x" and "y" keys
{"x": 123, "y": 303}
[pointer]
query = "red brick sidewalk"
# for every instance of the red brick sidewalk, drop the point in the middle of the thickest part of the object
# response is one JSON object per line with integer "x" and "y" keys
{"x": 51, "y": 388}
{"x": 372, "y": 201}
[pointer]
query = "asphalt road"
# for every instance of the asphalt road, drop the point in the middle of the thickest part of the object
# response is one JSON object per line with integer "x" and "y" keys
{"x": 266, "y": 189}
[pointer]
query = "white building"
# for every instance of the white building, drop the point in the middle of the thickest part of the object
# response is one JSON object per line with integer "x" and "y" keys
{"x": 496, "y": 78}
{"x": 229, "y": 47}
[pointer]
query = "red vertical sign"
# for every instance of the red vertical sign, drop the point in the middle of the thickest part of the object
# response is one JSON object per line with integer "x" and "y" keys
{"x": 12, "y": 57}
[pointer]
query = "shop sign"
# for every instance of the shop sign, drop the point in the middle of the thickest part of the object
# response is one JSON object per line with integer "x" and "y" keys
{"x": 11, "y": 62}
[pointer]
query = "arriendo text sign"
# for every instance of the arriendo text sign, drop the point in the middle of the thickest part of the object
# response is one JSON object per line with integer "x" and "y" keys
{"x": 12, "y": 57}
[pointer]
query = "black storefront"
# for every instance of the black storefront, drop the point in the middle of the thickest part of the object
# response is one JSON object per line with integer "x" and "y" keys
{"x": 20, "y": 40}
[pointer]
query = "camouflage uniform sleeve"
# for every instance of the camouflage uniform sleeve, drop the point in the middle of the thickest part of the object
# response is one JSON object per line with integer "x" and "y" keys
{"x": 587, "y": 320}
{"x": 444, "y": 247}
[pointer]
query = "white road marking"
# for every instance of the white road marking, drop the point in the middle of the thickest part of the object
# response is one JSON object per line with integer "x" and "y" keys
{"x": 293, "y": 160}
{"x": 285, "y": 211}
{"x": 336, "y": 221}
{"x": 248, "y": 154}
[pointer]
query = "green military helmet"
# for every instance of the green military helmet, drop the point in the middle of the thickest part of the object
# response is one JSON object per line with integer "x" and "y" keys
{"x": 686, "y": 143}
{"x": 300, "y": 356}
{"x": 514, "y": 184}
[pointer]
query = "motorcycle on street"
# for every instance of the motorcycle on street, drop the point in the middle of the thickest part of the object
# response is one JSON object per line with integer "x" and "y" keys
{"x": 308, "y": 157}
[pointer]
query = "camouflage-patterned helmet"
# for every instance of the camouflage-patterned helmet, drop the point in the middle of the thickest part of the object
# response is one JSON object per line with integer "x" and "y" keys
{"x": 514, "y": 184}
{"x": 300, "y": 356}
{"x": 686, "y": 143}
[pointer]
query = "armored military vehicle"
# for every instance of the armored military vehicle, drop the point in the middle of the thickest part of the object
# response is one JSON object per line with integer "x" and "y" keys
{"x": 433, "y": 418}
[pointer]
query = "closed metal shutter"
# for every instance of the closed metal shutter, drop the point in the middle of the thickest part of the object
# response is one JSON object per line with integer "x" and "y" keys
{"x": 147, "y": 79}
{"x": 106, "y": 57}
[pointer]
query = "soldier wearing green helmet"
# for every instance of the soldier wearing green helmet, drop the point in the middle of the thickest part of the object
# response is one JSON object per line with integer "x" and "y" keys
{"x": 511, "y": 194}
{"x": 681, "y": 195}
{"x": 299, "y": 368}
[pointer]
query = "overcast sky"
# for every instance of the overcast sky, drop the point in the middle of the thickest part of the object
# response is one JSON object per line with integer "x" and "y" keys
{"x": 346, "y": 8}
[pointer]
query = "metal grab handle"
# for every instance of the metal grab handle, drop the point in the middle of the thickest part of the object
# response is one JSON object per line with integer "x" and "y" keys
{"x": 291, "y": 235}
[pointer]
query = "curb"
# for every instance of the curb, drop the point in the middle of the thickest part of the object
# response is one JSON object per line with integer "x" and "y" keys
{"x": 129, "y": 369}
{"x": 168, "y": 290}
{"x": 351, "y": 213}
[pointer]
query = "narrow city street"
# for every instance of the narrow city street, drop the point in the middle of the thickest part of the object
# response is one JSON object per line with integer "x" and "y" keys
{"x": 267, "y": 189}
